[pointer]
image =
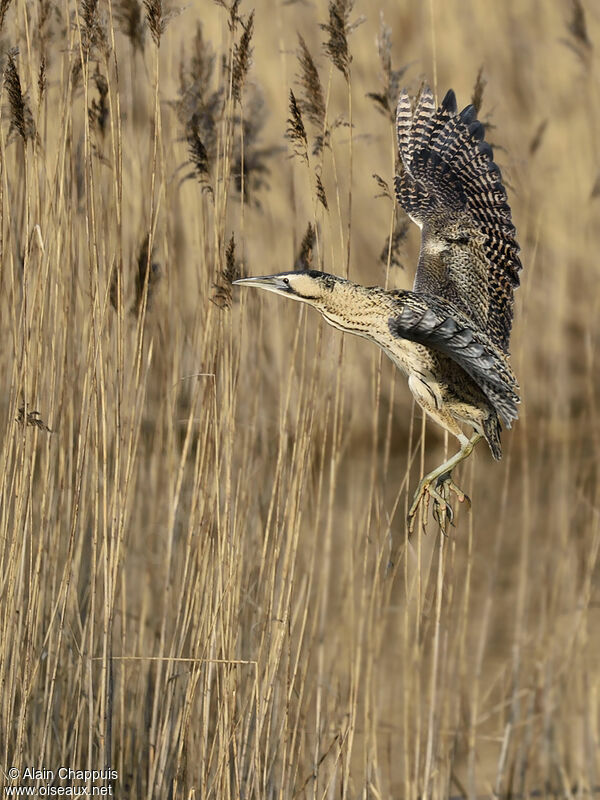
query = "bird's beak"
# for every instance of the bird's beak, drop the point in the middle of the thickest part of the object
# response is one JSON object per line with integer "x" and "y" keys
{"x": 272, "y": 283}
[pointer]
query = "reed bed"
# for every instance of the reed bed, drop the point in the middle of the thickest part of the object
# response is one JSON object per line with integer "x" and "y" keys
{"x": 206, "y": 581}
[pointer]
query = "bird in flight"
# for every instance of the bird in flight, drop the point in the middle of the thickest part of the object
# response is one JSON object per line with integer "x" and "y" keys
{"x": 450, "y": 334}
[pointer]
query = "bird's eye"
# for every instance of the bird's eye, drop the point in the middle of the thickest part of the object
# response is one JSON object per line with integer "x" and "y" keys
{"x": 286, "y": 281}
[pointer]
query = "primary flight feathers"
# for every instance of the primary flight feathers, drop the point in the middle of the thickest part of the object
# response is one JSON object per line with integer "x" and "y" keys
{"x": 451, "y": 187}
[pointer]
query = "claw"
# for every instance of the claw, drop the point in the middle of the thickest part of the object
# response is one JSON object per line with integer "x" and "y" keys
{"x": 442, "y": 510}
{"x": 443, "y": 515}
{"x": 445, "y": 482}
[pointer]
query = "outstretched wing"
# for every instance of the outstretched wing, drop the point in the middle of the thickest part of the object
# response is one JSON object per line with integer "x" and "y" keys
{"x": 435, "y": 322}
{"x": 451, "y": 187}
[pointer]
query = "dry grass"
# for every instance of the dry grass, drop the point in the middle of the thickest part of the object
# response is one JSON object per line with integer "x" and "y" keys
{"x": 205, "y": 578}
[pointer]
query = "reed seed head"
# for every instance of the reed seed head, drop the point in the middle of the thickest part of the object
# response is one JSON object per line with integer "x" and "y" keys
{"x": 21, "y": 118}
{"x": 296, "y": 131}
{"x": 242, "y": 58}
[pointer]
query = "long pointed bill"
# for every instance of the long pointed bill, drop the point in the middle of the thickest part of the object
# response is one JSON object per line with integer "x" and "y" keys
{"x": 272, "y": 283}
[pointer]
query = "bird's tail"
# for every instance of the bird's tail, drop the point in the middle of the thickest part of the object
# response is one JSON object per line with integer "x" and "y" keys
{"x": 491, "y": 431}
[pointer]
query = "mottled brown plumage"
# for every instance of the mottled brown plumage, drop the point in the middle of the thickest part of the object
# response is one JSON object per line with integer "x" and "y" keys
{"x": 450, "y": 335}
{"x": 451, "y": 187}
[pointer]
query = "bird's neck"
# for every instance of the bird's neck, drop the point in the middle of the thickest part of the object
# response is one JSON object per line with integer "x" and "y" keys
{"x": 358, "y": 309}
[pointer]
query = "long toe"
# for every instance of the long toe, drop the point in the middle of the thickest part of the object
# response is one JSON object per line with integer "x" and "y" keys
{"x": 442, "y": 510}
{"x": 446, "y": 485}
{"x": 443, "y": 514}
{"x": 466, "y": 500}
{"x": 412, "y": 513}
{"x": 418, "y": 497}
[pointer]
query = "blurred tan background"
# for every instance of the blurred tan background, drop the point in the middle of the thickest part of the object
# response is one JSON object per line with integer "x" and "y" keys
{"x": 207, "y": 582}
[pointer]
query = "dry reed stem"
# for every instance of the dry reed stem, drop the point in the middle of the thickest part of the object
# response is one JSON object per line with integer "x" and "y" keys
{"x": 194, "y": 583}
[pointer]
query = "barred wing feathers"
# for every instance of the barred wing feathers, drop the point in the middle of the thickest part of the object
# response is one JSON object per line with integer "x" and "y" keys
{"x": 451, "y": 187}
{"x": 435, "y": 322}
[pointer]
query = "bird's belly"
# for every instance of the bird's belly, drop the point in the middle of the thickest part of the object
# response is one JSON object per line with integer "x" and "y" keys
{"x": 439, "y": 386}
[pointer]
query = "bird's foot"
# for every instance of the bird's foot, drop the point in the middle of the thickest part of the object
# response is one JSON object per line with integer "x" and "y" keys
{"x": 426, "y": 492}
{"x": 440, "y": 494}
{"x": 446, "y": 486}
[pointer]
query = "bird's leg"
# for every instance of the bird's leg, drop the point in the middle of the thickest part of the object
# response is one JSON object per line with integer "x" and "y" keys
{"x": 442, "y": 475}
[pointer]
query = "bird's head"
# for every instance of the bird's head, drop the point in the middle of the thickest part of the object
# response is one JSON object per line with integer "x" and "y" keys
{"x": 307, "y": 286}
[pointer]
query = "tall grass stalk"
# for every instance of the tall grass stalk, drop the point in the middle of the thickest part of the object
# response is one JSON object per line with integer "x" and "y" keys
{"x": 206, "y": 581}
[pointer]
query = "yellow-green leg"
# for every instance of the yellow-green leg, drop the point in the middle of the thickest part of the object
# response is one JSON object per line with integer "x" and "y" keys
{"x": 442, "y": 475}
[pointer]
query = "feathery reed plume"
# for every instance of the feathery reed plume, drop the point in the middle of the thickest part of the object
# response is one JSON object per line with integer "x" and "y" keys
{"x": 312, "y": 101}
{"x": 98, "y": 110}
{"x": 42, "y": 32}
{"x": 296, "y": 131}
{"x": 198, "y": 154}
{"x": 337, "y": 29}
{"x": 42, "y": 78}
{"x": 254, "y": 163}
{"x": 4, "y": 6}
{"x": 401, "y": 228}
{"x": 577, "y": 25}
{"x": 385, "y": 101}
{"x": 234, "y": 17}
{"x": 155, "y": 19}
{"x": 384, "y": 186}
{"x": 579, "y": 41}
{"x": 320, "y": 141}
{"x": 304, "y": 259}
{"x": 199, "y": 110}
{"x": 242, "y": 58}
{"x": 130, "y": 19}
{"x": 321, "y": 196}
{"x": 33, "y": 418}
{"x": 478, "y": 89}
{"x": 93, "y": 28}
{"x": 21, "y": 118}
{"x": 144, "y": 260}
{"x": 195, "y": 78}
{"x": 231, "y": 272}
{"x": 538, "y": 136}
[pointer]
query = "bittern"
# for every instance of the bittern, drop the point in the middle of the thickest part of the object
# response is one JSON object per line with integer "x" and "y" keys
{"x": 450, "y": 334}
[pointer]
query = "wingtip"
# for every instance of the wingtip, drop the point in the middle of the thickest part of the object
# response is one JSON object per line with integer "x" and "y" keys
{"x": 486, "y": 149}
{"x": 468, "y": 114}
{"x": 449, "y": 102}
{"x": 403, "y": 107}
{"x": 477, "y": 130}
{"x": 425, "y": 101}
